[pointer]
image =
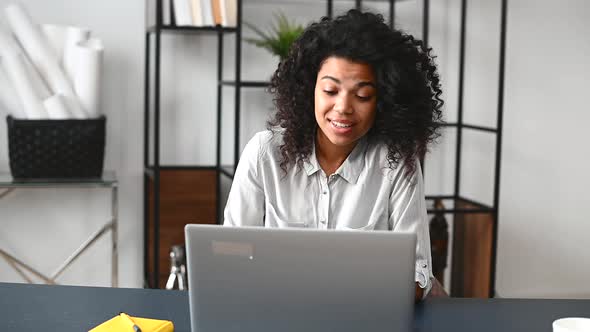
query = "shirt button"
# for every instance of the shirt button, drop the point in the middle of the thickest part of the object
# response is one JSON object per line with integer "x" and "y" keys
{"x": 325, "y": 192}
{"x": 323, "y": 221}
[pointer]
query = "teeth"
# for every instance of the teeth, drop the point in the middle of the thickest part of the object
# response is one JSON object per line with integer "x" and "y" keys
{"x": 340, "y": 125}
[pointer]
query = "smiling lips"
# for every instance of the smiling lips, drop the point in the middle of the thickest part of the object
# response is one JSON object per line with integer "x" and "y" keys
{"x": 341, "y": 126}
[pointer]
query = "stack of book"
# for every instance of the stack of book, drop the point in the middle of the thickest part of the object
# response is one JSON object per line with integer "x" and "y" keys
{"x": 195, "y": 12}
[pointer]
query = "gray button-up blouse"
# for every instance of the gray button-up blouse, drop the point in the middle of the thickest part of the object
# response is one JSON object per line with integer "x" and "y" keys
{"x": 363, "y": 194}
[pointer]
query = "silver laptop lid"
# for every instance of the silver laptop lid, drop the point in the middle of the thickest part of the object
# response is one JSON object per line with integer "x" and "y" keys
{"x": 257, "y": 279}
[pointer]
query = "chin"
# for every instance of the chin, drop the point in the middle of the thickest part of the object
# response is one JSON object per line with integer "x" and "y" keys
{"x": 341, "y": 141}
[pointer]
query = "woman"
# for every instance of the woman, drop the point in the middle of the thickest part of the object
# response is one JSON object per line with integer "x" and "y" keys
{"x": 357, "y": 104}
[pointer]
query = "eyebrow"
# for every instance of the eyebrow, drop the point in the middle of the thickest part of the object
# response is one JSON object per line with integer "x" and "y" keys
{"x": 359, "y": 84}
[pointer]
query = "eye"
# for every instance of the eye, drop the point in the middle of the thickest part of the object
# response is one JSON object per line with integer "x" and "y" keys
{"x": 364, "y": 98}
{"x": 330, "y": 92}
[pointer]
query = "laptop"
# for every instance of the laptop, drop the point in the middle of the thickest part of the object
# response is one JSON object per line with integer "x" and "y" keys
{"x": 254, "y": 279}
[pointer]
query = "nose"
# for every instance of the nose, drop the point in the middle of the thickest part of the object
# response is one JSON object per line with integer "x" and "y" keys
{"x": 343, "y": 104}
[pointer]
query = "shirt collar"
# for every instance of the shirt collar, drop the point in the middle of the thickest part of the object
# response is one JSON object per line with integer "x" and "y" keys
{"x": 311, "y": 164}
{"x": 350, "y": 169}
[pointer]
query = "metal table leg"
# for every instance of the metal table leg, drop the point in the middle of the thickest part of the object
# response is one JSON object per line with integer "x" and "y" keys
{"x": 81, "y": 249}
{"x": 111, "y": 225}
{"x": 6, "y": 192}
{"x": 15, "y": 262}
{"x": 114, "y": 238}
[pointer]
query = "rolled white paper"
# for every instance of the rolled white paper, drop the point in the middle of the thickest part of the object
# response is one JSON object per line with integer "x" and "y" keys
{"x": 74, "y": 35}
{"x": 9, "y": 50}
{"x": 41, "y": 53}
{"x": 56, "y": 107}
{"x": 75, "y": 107}
{"x": 56, "y": 35}
{"x": 87, "y": 74}
{"x": 29, "y": 35}
{"x": 9, "y": 102}
{"x": 8, "y": 45}
{"x": 8, "y": 96}
{"x": 15, "y": 66}
{"x": 37, "y": 81}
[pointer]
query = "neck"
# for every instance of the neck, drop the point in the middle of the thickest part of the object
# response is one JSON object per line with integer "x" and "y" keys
{"x": 331, "y": 156}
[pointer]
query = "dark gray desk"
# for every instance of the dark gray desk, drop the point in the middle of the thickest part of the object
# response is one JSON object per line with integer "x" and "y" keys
{"x": 36, "y": 308}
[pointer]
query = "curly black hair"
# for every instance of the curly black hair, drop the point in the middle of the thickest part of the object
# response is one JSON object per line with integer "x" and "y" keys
{"x": 408, "y": 112}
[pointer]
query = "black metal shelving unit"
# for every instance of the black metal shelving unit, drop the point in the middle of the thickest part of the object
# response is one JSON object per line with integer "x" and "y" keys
{"x": 460, "y": 125}
{"x": 152, "y": 170}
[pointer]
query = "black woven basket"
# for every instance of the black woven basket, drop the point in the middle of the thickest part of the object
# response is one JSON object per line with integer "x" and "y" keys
{"x": 56, "y": 148}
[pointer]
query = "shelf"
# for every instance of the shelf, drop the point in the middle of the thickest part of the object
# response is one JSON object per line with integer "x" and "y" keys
{"x": 459, "y": 211}
{"x": 246, "y": 84}
{"x": 309, "y": 2}
{"x": 107, "y": 179}
{"x": 443, "y": 197}
{"x": 150, "y": 170}
{"x": 468, "y": 126}
{"x": 172, "y": 29}
{"x": 227, "y": 171}
{"x": 477, "y": 206}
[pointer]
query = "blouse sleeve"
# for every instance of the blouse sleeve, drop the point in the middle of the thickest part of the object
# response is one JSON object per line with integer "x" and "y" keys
{"x": 408, "y": 214}
{"x": 245, "y": 203}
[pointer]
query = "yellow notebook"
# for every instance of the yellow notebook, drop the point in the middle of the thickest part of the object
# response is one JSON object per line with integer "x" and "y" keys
{"x": 119, "y": 324}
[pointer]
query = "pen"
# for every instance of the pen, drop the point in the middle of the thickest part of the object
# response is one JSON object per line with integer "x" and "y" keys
{"x": 130, "y": 321}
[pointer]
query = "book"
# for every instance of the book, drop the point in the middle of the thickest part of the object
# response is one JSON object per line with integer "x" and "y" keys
{"x": 216, "y": 10}
{"x": 229, "y": 12}
{"x": 207, "y": 12}
{"x": 183, "y": 12}
{"x": 197, "y": 13}
{"x": 166, "y": 12}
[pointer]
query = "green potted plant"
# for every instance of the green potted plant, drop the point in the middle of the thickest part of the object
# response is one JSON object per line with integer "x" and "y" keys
{"x": 279, "y": 40}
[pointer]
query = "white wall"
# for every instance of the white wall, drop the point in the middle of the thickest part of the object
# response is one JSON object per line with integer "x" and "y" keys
{"x": 542, "y": 220}
{"x": 543, "y": 249}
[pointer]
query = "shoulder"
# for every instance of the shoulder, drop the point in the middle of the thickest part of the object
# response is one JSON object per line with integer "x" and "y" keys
{"x": 265, "y": 144}
{"x": 377, "y": 152}
{"x": 376, "y": 155}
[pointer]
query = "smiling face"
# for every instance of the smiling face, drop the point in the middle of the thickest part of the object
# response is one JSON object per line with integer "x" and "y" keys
{"x": 345, "y": 101}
